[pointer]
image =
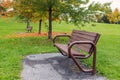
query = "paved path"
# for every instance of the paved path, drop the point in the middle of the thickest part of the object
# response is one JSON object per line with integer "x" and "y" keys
{"x": 52, "y": 67}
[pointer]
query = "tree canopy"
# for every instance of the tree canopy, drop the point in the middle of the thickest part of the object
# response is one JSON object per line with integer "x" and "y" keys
{"x": 5, "y": 5}
{"x": 71, "y": 11}
{"x": 67, "y": 10}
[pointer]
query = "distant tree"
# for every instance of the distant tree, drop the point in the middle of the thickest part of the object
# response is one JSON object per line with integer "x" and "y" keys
{"x": 39, "y": 15}
{"x": 27, "y": 11}
{"x": 2, "y": 10}
{"x": 5, "y": 6}
{"x": 105, "y": 19}
{"x": 47, "y": 7}
{"x": 24, "y": 10}
{"x": 114, "y": 16}
{"x": 99, "y": 11}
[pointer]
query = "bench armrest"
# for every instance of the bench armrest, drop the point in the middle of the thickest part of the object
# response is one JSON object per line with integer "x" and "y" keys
{"x": 82, "y": 42}
{"x": 62, "y": 35}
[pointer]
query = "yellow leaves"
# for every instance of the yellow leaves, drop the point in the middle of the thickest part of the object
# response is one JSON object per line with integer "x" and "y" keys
{"x": 114, "y": 17}
{"x": 119, "y": 17}
{"x": 28, "y": 10}
{"x": 116, "y": 12}
{"x": 36, "y": 14}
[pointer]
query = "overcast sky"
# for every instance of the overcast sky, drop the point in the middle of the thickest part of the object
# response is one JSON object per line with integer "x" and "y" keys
{"x": 115, "y": 3}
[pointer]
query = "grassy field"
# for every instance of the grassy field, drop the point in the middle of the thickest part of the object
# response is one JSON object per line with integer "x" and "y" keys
{"x": 11, "y": 26}
{"x": 13, "y": 50}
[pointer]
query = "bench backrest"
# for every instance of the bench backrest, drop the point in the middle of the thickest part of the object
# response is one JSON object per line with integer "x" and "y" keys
{"x": 79, "y": 35}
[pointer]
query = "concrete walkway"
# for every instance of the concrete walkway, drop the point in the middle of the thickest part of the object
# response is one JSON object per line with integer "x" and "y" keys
{"x": 53, "y": 66}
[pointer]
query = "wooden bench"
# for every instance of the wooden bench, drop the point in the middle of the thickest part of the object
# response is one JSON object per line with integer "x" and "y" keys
{"x": 81, "y": 45}
{"x": 29, "y": 29}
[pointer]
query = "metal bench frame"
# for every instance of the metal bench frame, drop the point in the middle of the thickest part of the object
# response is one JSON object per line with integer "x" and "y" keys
{"x": 75, "y": 55}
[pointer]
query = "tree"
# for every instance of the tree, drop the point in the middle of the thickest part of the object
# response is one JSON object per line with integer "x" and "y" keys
{"x": 100, "y": 10}
{"x": 24, "y": 10}
{"x": 114, "y": 16}
{"x": 105, "y": 19}
{"x": 2, "y": 9}
{"x": 70, "y": 11}
{"x": 45, "y": 9}
{"x": 5, "y": 6}
{"x": 27, "y": 11}
{"x": 39, "y": 15}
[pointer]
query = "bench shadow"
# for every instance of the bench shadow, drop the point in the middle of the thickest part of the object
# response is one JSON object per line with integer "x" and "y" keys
{"x": 64, "y": 66}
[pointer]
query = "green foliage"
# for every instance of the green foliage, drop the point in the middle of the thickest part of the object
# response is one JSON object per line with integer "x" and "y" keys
{"x": 24, "y": 10}
{"x": 100, "y": 7}
{"x": 105, "y": 19}
{"x": 112, "y": 17}
{"x": 71, "y": 11}
{"x": 97, "y": 11}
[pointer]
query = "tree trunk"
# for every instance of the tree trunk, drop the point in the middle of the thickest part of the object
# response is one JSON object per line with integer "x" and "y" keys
{"x": 40, "y": 23}
{"x": 28, "y": 23}
{"x": 50, "y": 23}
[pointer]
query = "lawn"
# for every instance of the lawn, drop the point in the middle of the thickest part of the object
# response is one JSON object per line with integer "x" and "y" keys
{"x": 11, "y": 26}
{"x": 13, "y": 50}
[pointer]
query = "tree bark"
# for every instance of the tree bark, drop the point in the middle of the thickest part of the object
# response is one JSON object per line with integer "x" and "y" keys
{"x": 50, "y": 23}
{"x": 28, "y": 23}
{"x": 40, "y": 23}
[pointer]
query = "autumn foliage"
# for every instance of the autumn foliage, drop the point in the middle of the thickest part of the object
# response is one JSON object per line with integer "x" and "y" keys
{"x": 114, "y": 17}
{"x": 6, "y": 4}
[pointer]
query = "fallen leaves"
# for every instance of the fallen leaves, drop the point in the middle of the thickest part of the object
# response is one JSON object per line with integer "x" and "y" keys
{"x": 18, "y": 35}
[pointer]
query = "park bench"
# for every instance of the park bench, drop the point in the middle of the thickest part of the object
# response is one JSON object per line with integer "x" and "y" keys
{"x": 29, "y": 29}
{"x": 81, "y": 45}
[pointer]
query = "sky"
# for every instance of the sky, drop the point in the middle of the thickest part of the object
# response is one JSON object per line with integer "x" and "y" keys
{"x": 114, "y": 4}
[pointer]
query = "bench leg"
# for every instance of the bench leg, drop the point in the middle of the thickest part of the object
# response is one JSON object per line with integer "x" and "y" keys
{"x": 94, "y": 63}
{"x": 62, "y": 52}
{"x": 81, "y": 68}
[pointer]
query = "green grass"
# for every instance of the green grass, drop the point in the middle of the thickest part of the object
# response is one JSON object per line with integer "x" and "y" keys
{"x": 13, "y": 50}
{"x": 11, "y": 26}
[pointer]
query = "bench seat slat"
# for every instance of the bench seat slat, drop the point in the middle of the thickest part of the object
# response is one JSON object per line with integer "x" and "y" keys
{"x": 85, "y": 32}
{"x": 64, "y": 48}
{"x": 79, "y": 39}
{"x": 78, "y": 35}
{"x": 91, "y": 38}
{"x": 85, "y": 47}
{"x": 82, "y": 47}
